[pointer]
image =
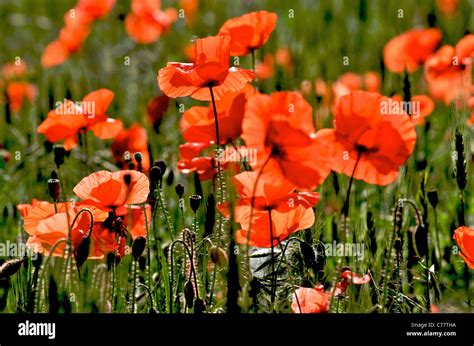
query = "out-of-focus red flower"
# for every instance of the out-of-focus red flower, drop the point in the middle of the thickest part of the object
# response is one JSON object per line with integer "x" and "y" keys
{"x": 210, "y": 69}
{"x": 127, "y": 143}
{"x": 18, "y": 92}
{"x": 448, "y": 7}
{"x": 68, "y": 120}
{"x": 109, "y": 191}
{"x": 464, "y": 237}
{"x": 190, "y": 8}
{"x": 280, "y": 128}
{"x": 409, "y": 50}
{"x": 156, "y": 110}
{"x": 147, "y": 22}
{"x": 249, "y": 32}
{"x": 78, "y": 25}
{"x": 283, "y": 58}
{"x": 369, "y": 137}
{"x": 14, "y": 70}
{"x": 198, "y": 123}
{"x": 265, "y": 69}
{"x": 448, "y": 71}
{"x": 310, "y": 300}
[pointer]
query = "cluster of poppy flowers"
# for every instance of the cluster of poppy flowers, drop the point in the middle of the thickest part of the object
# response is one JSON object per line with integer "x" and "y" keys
{"x": 293, "y": 157}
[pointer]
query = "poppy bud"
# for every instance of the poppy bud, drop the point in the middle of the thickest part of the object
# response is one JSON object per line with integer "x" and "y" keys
{"x": 127, "y": 178}
{"x": 54, "y": 175}
{"x": 195, "y": 201}
{"x": 433, "y": 198}
{"x": 138, "y": 247}
{"x": 199, "y": 306}
{"x": 131, "y": 166}
{"x": 10, "y": 267}
{"x": 170, "y": 178}
{"x": 179, "y": 190}
{"x": 460, "y": 168}
{"x": 155, "y": 177}
{"x": 162, "y": 165}
{"x": 138, "y": 158}
{"x": 218, "y": 256}
{"x": 59, "y": 153}
{"x": 189, "y": 294}
{"x": 110, "y": 260}
{"x": 421, "y": 240}
{"x": 82, "y": 252}
{"x": 54, "y": 188}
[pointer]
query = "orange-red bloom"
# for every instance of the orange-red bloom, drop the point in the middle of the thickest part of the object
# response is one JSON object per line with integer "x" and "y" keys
{"x": 147, "y": 21}
{"x": 46, "y": 226}
{"x": 448, "y": 71}
{"x": 127, "y": 143}
{"x": 464, "y": 237}
{"x": 280, "y": 127}
{"x": 408, "y": 51}
{"x": 18, "y": 92}
{"x": 198, "y": 125}
{"x": 275, "y": 201}
{"x": 373, "y": 142}
{"x": 78, "y": 22}
{"x": 210, "y": 69}
{"x": 134, "y": 218}
{"x": 69, "y": 119}
{"x": 249, "y": 32}
{"x": 310, "y": 300}
{"x": 108, "y": 190}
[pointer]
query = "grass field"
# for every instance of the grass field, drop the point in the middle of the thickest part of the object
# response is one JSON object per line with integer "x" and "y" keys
{"x": 402, "y": 256}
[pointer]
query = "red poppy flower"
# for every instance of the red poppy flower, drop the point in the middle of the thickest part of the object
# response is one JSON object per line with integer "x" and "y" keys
{"x": 46, "y": 226}
{"x": 423, "y": 106}
{"x": 156, "y": 110}
{"x": 408, "y": 51}
{"x": 127, "y": 143}
{"x": 464, "y": 237}
{"x": 371, "y": 136}
{"x": 448, "y": 7}
{"x": 448, "y": 71}
{"x": 198, "y": 125}
{"x": 68, "y": 120}
{"x": 147, "y": 22}
{"x": 18, "y": 92}
{"x": 95, "y": 9}
{"x": 310, "y": 300}
{"x": 265, "y": 69}
{"x": 109, "y": 190}
{"x": 25, "y": 208}
{"x": 210, "y": 69}
{"x": 350, "y": 81}
{"x": 274, "y": 198}
{"x": 14, "y": 70}
{"x": 283, "y": 58}
{"x": 280, "y": 127}
{"x": 249, "y": 32}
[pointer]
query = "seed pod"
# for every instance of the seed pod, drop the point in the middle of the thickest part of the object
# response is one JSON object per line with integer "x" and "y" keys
{"x": 10, "y": 267}
{"x": 433, "y": 198}
{"x": 189, "y": 294}
{"x": 138, "y": 247}
{"x": 195, "y": 202}
{"x": 155, "y": 177}
{"x": 170, "y": 178}
{"x": 54, "y": 189}
{"x": 82, "y": 252}
{"x": 421, "y": 240}
{"x": 218, "y": 256}
{"x": 59, "y": 153}
{"x": 161, "y": 165}
{"x": 138, "y": 158}
{"x": 179, "y": 190}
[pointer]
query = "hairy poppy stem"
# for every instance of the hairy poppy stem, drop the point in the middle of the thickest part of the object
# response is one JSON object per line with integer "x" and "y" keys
{"x": 135, "y": 265}
{"x": 148, "y": 236}
{"x": 274, "y": 276}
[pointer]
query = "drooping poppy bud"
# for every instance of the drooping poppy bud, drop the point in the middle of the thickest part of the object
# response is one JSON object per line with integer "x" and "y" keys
{"x": 195, "y": 202}
{"x": 218, "y": 256}
{"x": 179, "y": 190}
{"x": 59, "y": 153}
{"x": 433, "y": 198}
{"x": 82, "y": 252}
{"x": 138, "y": 247}
{"x": 162, "y": 165}
{"x": 138, "y": 157}
{"x": 189, "y": 294}
{"x": 155, "y": 177}
{"x": 10, "y": 267}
